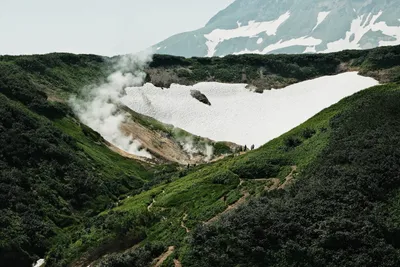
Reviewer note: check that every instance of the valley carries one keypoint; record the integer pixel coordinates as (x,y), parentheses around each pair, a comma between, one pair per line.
(70,199)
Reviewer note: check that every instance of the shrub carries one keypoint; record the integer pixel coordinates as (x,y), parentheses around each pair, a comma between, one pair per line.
(308,133)
(225,177)
(292,142)
(221,148)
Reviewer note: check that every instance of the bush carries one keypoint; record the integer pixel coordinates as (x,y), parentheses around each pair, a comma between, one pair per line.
(221,148)
(308,133)
(225,177)
(292,142)
(255,168)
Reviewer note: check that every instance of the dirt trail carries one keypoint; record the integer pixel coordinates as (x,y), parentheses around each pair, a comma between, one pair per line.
(183,223)
(275,184)
(230,207)
(177,263)
(160,260)
(151,204)
(289,178)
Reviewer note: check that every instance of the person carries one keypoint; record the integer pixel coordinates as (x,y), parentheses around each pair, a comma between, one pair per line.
(245,148)
(252,147)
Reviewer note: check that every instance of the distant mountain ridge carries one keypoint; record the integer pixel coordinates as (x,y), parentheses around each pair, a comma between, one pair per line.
(291,26)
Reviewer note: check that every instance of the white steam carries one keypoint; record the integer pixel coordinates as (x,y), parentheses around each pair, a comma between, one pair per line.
(97,106)
(191,148)
(209,152)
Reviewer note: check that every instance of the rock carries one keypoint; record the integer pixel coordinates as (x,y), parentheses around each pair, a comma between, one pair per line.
(199,96)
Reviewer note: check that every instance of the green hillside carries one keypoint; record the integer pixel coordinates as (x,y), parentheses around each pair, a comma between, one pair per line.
(55,172)
(66,197)
(343,211)
(341,205)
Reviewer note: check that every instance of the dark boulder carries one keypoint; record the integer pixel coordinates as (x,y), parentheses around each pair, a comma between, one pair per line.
(199,96)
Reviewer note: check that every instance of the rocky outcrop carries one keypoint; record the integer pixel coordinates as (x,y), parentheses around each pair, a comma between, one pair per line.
(200,97)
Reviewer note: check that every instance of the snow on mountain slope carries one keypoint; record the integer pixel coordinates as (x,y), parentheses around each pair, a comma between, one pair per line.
(359,28)
(239,115)
(321,17)
(251,30)
(291,26)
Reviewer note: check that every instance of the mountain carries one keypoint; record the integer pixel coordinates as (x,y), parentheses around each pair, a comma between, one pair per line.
(290,26)
(72,197)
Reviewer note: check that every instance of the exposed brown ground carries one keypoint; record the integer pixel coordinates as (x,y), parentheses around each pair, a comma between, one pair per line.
(288,179)
(183,223)
(160,260)
(156,143)
(177,263)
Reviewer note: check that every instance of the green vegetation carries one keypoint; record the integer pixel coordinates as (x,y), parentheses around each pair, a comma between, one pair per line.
(341,212)
(346,185)
(206,191)
(277,71)
(55,172)
(324,194)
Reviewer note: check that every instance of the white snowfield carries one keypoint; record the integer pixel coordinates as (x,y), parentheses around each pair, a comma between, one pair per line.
(308,42)
(251,30)
(359,27)
(236,114)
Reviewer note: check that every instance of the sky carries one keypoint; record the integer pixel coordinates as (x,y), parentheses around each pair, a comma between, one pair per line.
(101,27)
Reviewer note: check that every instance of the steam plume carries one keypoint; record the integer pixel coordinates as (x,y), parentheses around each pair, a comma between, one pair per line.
(97,106)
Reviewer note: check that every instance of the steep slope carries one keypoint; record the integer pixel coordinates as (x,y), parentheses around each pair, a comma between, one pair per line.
(314,198)
(342,211)
(290,26)
(53,174)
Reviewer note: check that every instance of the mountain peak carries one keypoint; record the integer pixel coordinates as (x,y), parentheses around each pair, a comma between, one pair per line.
(291,26)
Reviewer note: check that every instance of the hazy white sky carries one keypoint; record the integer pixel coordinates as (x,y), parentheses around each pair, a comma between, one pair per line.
(97,26)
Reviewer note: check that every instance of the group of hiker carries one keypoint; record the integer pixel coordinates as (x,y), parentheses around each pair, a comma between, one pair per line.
(245,148)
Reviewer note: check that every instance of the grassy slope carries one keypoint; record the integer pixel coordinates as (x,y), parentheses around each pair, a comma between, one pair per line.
(199,193)
(58,171)
(347,126)
(343,209)
(55,178)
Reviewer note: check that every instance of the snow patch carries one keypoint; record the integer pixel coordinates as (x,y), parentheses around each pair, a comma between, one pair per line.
(253,28)
(358,29)
(310,49)
(302,41)
(39,263)
(239,115)
(321,17)
(260,40)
